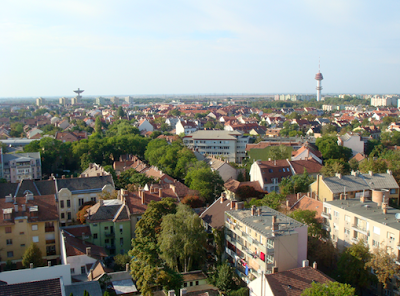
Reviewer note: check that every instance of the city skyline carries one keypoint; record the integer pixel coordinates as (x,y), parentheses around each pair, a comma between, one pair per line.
(188,47)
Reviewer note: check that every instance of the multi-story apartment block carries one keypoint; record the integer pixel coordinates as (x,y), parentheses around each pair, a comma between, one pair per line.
(355,186)
(62,101)
(373,221)
(110,225)
(263,240)
(389,100)
(16,167)
(229,145)
(40,102)
(100,101)
(25,220)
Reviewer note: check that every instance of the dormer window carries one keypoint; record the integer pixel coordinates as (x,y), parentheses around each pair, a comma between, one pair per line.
(34,211)
(7,214)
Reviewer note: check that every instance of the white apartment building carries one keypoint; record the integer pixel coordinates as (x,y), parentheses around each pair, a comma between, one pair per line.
(229,145)
(20,166)
(389,100)
(262,240)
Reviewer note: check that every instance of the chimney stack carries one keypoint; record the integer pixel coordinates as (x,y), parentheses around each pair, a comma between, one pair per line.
(259,212)
(239,205)
(314,265)
(183,292)
(48,263)
(341,196)
(233,204)
(298,195)
(171,293)
(222,199)
(101,201)
(287,204)
(142,197)
(89,251)
(275,269)
(127,267)
(370,173)
(362,199)
(253,210)
(306,263)
(31,265)
(160,195)
(275,225)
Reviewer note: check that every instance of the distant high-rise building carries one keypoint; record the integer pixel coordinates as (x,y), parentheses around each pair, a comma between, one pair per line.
(62,101)
(129,100)
(319,77)
(40,102)
(115,100)
(100,101)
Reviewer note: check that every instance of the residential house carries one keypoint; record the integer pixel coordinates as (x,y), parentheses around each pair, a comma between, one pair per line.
(94,170)
(291,282)
(352,141)
(63,124)
(259,240)
(185,126)
(145,125)
(72,193)
(25,220)
(71,136)
(270,173)
(355,186)
(306,152)
(233,190)
(224,169)
(34,133)
(109,222)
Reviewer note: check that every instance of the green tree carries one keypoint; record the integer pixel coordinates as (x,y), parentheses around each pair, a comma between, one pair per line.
(383,262)
(296,183)
(120,112)
(329,289)
(333,166)
(330,149)
(97,125)
(120,261)
(273,200)
(182,239)
(243,291)
(374,165)
(308,217)
(208,183)
(209,124)
(351,266)
(32,255)
(224,278)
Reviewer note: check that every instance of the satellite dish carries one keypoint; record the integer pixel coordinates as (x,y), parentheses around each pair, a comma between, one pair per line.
(397,216)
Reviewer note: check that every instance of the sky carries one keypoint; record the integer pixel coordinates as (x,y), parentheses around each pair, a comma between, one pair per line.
(129,47)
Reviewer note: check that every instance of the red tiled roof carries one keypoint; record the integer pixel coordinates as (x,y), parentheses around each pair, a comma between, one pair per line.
(311,165)
(308,203)
(233,185)
(50,287)
(76,247)
(293,282)
(214,214)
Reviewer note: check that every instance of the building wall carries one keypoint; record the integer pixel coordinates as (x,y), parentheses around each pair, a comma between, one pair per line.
(146,126)
(75,201)
(255,175)
(105,238)
(226,172)
(23,234)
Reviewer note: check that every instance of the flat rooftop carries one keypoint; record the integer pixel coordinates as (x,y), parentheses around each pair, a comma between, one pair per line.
(263,223)
(369,210)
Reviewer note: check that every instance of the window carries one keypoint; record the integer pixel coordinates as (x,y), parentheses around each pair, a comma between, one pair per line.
(62,216)
(22,233)
(197,283)
(106,228)
(121,228)
(69,215)
(392,191)
(95,235)
(72,270)
(68,203)
(335,226)
(35,239)
(93,199)
(347,218)
(191,284)
(81,201)
(121,241)
(8,229)
(61,204)
(347,231)
(9,241)
(83,269)
(34,227)
(184,285)
(377,230)
(375,243)
(10,254)
(336,213)
(107,241)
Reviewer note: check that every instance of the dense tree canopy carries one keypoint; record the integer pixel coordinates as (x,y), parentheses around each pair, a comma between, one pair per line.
(329,289)
(273,200)
(330,149)
(296,183)
(33,255)
(308,217)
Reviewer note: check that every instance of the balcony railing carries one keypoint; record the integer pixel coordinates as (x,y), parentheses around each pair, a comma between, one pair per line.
(360,228)
(110,234)
(326,215)
(49,229)
(50,253)
(50,241)
(110,247)
(327,227)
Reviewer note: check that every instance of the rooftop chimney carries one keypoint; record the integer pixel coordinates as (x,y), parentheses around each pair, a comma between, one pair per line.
(306,263)
(287,204)
(338,175)
(160,195)
(298,195)
(49,263)
(101,201)
(362,198)
(275,269)
(142,197)
(239,205)
(233,204)
(371,173)
(171,293)
(222,199)
(259,212)
(31,265)
(275,225)
(389,172)
(314,265)
(89,251)
(183,292)
(253,210)
(341,196)
(127,267)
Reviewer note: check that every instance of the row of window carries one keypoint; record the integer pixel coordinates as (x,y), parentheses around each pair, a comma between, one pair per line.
(81,201)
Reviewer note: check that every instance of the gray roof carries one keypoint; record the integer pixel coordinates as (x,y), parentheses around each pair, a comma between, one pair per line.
(92,287)
(21,156)
(108,211)
(46,187)
(214,134)
(77,185)
(369,210)
(360,182)
(263,223)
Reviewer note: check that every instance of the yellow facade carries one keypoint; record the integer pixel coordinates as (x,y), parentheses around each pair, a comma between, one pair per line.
(17,237)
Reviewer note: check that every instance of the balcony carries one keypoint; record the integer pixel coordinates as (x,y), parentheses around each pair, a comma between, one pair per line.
(270,251)
(327,227)
(51,252)
(110,234)
(360,228)
(50,241)
(326,215)
(110,247)
(49,229)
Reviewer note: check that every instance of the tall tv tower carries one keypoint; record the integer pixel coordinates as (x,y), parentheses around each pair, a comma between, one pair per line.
(319,77)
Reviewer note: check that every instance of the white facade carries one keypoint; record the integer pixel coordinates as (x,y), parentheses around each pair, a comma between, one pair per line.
(185,127)
(145,125)
(353,142)
(390,100)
